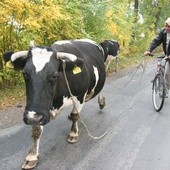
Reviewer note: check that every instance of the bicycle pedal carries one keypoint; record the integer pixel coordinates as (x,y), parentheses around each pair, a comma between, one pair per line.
(166,95)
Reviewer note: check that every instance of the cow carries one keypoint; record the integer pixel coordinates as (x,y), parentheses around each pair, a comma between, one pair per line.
(69,72)
(111,49)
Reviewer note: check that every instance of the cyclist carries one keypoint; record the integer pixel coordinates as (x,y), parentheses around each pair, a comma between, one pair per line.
(163,38)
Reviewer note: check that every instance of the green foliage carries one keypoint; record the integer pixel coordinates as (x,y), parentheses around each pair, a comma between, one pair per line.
(10,78)
(95,19)
(46,21)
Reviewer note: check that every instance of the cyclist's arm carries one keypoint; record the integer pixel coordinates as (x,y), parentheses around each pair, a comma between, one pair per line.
(155,43)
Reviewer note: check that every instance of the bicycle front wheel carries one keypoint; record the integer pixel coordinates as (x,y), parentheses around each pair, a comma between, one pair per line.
(158,92)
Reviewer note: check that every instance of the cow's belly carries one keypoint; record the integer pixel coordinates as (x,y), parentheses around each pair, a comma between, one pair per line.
(66,103)
(96,89)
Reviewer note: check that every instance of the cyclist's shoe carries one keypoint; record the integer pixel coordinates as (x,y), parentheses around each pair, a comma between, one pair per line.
(166,93)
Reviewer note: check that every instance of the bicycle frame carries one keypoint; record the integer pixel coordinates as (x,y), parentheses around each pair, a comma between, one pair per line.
(159,87)
(160,66)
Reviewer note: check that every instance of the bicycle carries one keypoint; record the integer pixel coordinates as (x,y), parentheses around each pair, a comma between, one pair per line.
(159,86)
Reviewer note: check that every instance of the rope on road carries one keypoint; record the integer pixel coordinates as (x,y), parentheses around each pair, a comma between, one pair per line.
(142,64)
(110,125)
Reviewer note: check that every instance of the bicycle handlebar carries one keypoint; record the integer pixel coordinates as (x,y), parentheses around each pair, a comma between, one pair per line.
(160,56)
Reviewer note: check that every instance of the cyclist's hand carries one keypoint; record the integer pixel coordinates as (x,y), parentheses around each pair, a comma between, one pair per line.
(167,58)
(148,53)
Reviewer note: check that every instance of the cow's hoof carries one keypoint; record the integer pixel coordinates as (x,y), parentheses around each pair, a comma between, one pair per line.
(72,139)
(69,117)
(29,164)
(102,103)
(101,106)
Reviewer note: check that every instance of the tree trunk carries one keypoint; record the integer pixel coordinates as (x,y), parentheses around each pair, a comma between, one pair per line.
(135,20)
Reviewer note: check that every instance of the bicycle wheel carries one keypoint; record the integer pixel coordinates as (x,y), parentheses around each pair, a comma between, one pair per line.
(158,92)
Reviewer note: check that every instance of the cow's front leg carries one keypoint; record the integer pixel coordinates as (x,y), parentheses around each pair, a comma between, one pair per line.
(73,136)
(74,116)
(32,158)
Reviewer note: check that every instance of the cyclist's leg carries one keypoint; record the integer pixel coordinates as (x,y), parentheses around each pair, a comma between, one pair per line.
(167,76)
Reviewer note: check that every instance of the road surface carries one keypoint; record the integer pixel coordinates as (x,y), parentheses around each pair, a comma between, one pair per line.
(138,138)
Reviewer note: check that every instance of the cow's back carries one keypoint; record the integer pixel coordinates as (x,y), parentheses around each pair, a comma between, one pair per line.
(93,57)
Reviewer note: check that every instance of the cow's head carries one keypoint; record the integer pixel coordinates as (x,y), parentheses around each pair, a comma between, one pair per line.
(41,67)
(111,48)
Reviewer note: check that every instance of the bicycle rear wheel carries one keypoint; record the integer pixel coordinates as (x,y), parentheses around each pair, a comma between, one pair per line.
(158,92)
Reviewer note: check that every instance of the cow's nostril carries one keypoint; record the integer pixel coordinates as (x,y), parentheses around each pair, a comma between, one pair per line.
(41,121)
(26,121)
(35,119)
(38,118)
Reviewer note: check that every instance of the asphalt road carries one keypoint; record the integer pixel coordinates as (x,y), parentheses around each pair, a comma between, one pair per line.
(138,138)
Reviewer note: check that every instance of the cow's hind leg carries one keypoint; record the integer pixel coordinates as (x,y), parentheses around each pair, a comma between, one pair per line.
(101,100)
(32,158)
(74,116)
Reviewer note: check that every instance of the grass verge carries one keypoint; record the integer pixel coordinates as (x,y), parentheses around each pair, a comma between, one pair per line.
(12,96)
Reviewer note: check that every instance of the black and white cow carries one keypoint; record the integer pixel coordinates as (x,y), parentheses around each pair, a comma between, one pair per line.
(111,50)
(46,88)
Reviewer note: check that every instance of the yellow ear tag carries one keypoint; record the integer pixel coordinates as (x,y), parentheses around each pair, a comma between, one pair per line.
(9,64)
(76,70)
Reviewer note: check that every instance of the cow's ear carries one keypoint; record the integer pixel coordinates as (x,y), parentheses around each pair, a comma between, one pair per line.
(18,59)
(19,63)
(76,66)
(7,56)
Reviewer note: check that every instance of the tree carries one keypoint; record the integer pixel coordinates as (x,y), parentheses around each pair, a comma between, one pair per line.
(131,22)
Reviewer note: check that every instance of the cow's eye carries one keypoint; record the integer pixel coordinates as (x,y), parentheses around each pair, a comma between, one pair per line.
(54,76)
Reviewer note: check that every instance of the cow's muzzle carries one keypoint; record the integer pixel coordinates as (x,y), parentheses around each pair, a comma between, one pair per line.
(33,118)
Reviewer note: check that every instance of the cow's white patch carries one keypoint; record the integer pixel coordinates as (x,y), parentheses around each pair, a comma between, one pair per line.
(90,95)
(31,114)
(110,57)
(33,154)
(96,73)
(112,41)
(40,57)
(67,102)
(82,40)
(38,140)
(87,40)
(92,42)
(62,42)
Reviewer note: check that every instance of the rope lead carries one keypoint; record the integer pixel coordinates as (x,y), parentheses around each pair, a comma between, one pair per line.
(142,64)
